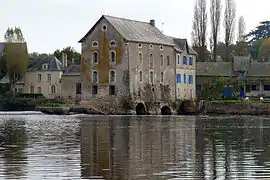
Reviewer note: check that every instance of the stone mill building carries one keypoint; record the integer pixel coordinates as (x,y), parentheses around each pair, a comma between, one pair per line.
(128,64)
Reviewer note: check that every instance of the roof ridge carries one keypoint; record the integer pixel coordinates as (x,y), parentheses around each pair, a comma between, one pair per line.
(121,18)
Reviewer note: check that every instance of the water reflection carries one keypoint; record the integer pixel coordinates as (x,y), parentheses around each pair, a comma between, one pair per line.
(13,142)
(97,147)
(137,148)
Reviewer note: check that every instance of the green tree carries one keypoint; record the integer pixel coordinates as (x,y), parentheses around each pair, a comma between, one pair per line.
(14,35)
(214,87)
(256,36)
(15,55)
(72,54)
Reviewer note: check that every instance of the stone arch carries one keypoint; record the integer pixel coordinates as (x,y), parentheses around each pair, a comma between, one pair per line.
(141,109)
(166,110)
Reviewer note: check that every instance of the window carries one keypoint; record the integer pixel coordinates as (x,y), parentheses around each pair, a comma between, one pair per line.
(168,60)
(104,27)
(113,43)
(32,89)
(95,44)
(178,92)
(53,89)
(112,76)
(178,78)
(255,88)
(161,60)
(190,79)
(178,59)
(39,77)
(185,60)
(185,79)
(248,88)
(151,61)
(140,58)
(150,46)
(190,94)
(20,90)
(112,90)
(161,77)
(95,58)
(140,76)
(266,87)
(39,90)
(198,87)
(113,56)
(161,48)
(49,77)
(139,45)
(242,73)
(94,89)
(151,78)
(95,77)
(190,61)
(44,66)
(78,88)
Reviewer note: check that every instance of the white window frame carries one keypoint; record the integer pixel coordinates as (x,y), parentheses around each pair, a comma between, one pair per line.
(95,46)
(110,57)
(161,47)
(140,61)
(104,25)
(151,46)
(94,56)
(139,45)
(93,76)
(112,42)
(140,76)
(114,76)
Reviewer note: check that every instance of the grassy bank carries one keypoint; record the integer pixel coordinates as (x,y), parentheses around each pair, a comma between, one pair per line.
(238,101)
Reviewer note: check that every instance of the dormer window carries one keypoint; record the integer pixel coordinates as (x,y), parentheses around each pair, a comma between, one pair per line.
(151,46)
(161,48)
(139,45)
(113,43)
(45,66)
(95,44)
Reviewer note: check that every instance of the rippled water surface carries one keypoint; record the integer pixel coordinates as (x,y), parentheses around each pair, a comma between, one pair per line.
(37,146)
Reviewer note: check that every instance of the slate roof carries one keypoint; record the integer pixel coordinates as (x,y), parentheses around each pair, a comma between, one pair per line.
(259,69)
(241,63)
(136,31)
(214,69)
(72,70)
(53,64)
(181,45)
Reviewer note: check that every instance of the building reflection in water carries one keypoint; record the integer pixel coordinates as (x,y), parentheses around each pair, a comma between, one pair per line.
(13,142)
(138,147)
(232,147)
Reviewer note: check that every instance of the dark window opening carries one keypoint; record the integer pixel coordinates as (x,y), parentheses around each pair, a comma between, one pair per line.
(113,56)
(95,57)
(248,87)
(112,90)
(168,60)
(94,89)
(267,87)
(254,88)
(78,88)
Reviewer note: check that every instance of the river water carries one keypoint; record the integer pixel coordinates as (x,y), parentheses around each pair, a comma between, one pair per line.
(37,146)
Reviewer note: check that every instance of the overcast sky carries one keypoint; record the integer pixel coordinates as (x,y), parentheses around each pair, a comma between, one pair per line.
(53,24)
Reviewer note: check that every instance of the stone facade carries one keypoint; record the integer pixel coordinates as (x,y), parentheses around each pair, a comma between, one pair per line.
(241,108)
(131,62)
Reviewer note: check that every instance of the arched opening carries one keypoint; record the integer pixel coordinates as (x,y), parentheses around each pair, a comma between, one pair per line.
(165,110)
(140,109)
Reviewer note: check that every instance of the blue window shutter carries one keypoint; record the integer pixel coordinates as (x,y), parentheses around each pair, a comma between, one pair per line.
(180,78)
(185,81)
(178,59)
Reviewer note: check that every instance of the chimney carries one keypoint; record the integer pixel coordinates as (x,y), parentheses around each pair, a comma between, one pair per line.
(152,22)
(64,60)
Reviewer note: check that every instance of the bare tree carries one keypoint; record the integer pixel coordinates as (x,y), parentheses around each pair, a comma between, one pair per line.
(241,29)
(199,28)
(215,13)
(229,24)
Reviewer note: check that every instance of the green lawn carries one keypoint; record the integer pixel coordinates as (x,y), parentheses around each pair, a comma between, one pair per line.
(237,101)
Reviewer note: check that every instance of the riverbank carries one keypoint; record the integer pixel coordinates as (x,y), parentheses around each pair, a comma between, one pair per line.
(234,108)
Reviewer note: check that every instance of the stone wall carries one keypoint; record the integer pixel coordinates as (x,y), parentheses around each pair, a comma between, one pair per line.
(241,108)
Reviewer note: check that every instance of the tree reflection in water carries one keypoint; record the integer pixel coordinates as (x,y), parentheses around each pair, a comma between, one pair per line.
(13,140)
